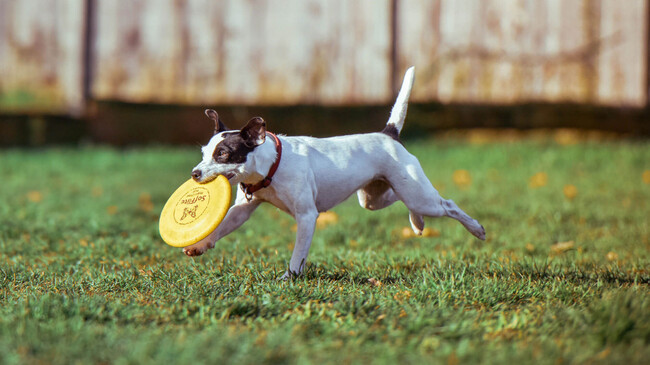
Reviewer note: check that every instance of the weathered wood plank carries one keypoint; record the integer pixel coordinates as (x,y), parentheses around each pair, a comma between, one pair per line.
(509,51)
(622,64)
(244,52)
(41,56)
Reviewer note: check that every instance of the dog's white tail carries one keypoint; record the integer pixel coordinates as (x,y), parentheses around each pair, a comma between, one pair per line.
(398,113)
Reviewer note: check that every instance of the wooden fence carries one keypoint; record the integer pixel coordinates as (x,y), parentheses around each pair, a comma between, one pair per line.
(57,54)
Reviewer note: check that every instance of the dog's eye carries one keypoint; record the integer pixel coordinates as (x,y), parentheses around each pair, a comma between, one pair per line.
(223,154)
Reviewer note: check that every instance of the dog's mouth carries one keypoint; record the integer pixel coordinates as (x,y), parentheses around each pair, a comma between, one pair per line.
(228,175)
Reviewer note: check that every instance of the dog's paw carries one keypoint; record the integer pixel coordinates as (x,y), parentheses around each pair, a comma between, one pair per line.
(288,275)
(197,250)
(479,233)
(193,251)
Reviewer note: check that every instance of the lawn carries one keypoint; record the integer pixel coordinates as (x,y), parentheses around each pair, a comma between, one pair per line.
(564,276)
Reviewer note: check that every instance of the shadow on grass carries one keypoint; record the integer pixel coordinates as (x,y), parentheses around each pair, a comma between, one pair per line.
(529,271)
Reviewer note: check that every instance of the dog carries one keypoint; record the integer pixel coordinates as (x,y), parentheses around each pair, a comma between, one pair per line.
(304,176)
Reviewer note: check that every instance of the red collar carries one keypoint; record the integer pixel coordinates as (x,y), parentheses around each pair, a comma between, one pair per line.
(249,189)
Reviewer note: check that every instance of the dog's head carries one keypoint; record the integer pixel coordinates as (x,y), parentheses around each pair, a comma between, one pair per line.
(228,151)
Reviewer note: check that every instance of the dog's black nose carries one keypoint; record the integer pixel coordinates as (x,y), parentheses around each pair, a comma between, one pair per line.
(196,175)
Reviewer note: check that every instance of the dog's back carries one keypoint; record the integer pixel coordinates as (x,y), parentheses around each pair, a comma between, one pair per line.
(341,165)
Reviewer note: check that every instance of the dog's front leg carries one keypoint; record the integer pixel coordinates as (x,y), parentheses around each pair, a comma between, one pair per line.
(236,216)
(306,222)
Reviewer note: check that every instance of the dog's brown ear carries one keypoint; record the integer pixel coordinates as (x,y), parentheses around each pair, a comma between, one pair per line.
(218,124)
(254,133)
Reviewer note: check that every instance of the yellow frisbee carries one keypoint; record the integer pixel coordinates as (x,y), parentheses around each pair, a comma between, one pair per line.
(193,211)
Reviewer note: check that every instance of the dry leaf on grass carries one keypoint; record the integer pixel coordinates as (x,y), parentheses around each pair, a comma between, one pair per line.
(562,247)
(567,137)
(538,180)
(646,176)
(326,218)
(570,191)
(611,256)
(145,203)
(407,232)
(430,232)
(462,178)
(97,191)
(374,282)
(35,196)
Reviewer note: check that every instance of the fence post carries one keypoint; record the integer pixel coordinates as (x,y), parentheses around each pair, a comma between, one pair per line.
(647,56)
(87,52)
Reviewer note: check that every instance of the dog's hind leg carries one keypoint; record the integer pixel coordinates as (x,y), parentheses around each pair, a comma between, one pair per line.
(439,207)
(417,222)
(472,225)
(422,199)
(379,194)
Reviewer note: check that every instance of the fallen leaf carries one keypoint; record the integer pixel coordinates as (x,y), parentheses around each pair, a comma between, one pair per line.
(453,359)
(604,354)
(646,176)
(145,272)
(147,207)
(111,209)
(326,218)
(462,178)
(530,247)
(145,202)
(430,232)
(538,180)
(35,196)
(570,191)
(611,256)
(626,202)
(562,247)
(144,198)
(566,137)
(374,282)
(407,232)
(97,191)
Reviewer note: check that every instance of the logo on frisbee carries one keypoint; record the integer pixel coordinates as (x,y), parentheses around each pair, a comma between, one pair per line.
(191,206)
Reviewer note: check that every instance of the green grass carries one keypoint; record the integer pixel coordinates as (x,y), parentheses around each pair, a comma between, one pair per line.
(85,278)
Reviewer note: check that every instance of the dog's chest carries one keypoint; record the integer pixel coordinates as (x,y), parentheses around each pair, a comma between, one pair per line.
(270,196)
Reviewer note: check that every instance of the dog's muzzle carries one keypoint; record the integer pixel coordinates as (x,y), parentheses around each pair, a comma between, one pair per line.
(196,175)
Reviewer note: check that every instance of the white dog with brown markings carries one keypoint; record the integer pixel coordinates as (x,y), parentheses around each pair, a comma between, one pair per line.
(305,176)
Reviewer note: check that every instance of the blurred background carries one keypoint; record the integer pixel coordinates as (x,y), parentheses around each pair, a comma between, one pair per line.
(142,71)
